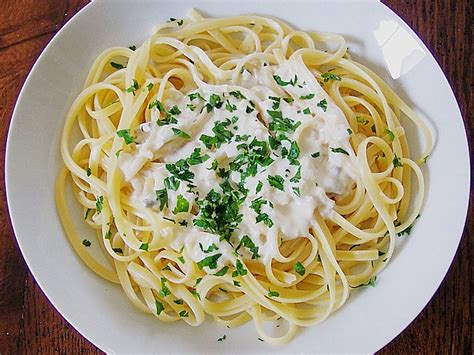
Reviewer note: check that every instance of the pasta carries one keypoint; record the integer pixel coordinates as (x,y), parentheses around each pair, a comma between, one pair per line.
(238,168)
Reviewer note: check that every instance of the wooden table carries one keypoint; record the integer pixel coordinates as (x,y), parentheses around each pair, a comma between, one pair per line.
(28,322)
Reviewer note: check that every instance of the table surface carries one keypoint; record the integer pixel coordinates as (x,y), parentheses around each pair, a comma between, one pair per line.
(29,323)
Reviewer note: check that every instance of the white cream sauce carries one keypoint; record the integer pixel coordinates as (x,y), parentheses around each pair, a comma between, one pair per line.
(318,131)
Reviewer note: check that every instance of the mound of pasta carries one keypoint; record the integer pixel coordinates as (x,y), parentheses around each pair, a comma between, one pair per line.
(239,168)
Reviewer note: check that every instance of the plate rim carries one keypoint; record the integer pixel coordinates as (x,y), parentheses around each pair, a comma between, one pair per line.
(89,7)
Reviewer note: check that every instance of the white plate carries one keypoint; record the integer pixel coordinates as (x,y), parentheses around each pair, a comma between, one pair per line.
(101,312)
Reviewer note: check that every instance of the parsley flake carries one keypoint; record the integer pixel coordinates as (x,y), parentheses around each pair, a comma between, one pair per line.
(133,87)
(299,268)
(180,133)
(323,104)
(272,293)
(182,205)
(209,261)
(330,76)
(125,134)
(276,182)
(339,150)
(116,65)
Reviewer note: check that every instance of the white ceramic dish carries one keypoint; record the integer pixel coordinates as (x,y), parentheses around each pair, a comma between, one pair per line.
(101,312)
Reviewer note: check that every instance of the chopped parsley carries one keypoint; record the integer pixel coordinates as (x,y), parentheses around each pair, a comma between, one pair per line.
(272,293)
(144,246)
(162,197)
(118,250)
(133,47)
(299,268)
(209,249)
(396,162)
(184,313)
(222,271)
(220,213)
(182,205)
(179,301)
(181,259)
(132,88)
(209,261)
(390,134)
(125,134)
(406,231)
(281,82)
(99,204)
(174,110)
(88,172)
(280,123)
(215,101)
(159,307)
(238,95)
(330,76)
(296,179)
(195,95)
(158,105)
(307,97)
(339,150)
(196,158)
(172,183)
(259,187)
(116,65)
(316,154)
(276,181)
(361,120)
(87,213)
(180,133)
(165,291)
(150,86)
(240,270)
(296,191)
(229,106)
(180,170)
(86,243)
(222,338)
(222,135)
(307,111)
(349,131)
(323,104)
(249,244)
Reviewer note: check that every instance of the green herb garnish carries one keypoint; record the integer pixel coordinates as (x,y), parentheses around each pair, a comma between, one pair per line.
(182,205)
(99,204)
(330,76)
(307,97)
(339,150)
(132,88)
(276,182)
(159,307)
(116,65)
(323,104)
(222,271)
(272,293)
(125,134)
(209,261)
(180,133)
(299,268)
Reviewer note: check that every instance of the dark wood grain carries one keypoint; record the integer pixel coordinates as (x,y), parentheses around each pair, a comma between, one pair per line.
(28,322)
